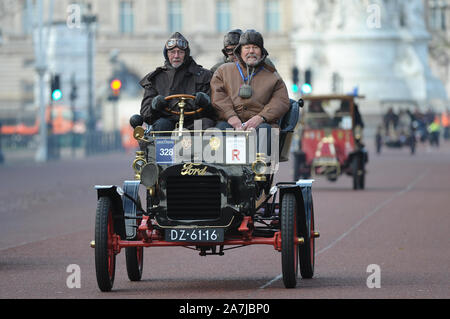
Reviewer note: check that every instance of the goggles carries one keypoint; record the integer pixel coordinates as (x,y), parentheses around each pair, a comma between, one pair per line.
(229,51)
(179,43)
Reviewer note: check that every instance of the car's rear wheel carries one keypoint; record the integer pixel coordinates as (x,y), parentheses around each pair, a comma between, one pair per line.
(289,240)
(135,262)
(105,258)
(307,250)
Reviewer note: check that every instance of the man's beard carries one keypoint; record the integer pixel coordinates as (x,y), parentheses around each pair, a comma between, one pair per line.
(177,64)
(253,62)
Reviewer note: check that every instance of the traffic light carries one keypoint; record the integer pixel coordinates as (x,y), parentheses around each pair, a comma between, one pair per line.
(115,85)
(55,88)
(307,85)
(295,79)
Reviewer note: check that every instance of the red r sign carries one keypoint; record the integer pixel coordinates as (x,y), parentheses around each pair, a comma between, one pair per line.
(235,154)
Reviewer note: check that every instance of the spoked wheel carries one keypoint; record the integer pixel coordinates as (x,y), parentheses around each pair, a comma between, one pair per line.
(358,172)
(105,258)
(307,250)
(289,241)
(135,262)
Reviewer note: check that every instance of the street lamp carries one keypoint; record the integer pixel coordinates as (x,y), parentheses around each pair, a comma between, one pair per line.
(88,20)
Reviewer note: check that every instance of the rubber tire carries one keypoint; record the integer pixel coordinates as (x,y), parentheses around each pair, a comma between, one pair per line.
(105,259)
(307,250)
(412,144)
(134,257)
(358,180)
(289,248)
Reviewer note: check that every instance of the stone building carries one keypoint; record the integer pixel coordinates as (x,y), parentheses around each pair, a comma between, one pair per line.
(130,34)
(341,41)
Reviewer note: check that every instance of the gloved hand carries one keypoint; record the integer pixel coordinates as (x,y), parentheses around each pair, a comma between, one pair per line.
(202,99)
(159,103)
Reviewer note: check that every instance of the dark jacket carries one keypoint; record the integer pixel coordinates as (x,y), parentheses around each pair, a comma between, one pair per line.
(216,66)
(189,78)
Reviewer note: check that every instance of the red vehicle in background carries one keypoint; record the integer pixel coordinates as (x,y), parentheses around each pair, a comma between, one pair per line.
(61,120)
(328,139)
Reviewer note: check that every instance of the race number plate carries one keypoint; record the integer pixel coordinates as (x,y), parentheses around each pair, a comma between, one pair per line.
(165,151)
(195,235)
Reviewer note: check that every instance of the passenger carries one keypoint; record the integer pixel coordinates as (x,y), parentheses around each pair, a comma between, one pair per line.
(316,107)
(317,118)
(179,75)
(230,41)
(421,126)
(390,120)
(404,120)
(249,94)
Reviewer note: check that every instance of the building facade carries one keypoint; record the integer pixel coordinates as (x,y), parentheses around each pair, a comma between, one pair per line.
(130,35)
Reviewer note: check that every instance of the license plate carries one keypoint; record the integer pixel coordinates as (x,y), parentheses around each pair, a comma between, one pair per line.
(195,235)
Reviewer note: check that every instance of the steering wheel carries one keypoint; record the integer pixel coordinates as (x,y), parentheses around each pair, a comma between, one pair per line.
(185,97)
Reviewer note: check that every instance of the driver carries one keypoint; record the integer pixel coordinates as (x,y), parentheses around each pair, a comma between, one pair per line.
(180,74)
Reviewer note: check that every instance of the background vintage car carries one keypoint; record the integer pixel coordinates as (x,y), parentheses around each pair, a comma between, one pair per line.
(329,139)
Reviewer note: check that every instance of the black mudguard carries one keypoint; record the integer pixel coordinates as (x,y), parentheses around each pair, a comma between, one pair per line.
(111,191)
(131,188)
(303,194)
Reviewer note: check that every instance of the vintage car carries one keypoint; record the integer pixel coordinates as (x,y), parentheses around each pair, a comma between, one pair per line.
(328,139)
(396,138)
(399,129)
(218,197)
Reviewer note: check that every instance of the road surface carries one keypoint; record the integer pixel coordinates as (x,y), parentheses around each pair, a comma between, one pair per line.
(390,240)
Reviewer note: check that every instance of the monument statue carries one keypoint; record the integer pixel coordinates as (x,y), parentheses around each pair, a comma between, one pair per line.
(377,46)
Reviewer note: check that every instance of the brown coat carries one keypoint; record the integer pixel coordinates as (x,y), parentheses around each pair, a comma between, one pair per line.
(269,99)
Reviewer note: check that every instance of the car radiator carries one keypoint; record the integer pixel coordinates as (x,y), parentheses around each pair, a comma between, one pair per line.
(193,197)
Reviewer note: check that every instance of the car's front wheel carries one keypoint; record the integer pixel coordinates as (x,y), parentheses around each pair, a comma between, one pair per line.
(105,258)
(307,250)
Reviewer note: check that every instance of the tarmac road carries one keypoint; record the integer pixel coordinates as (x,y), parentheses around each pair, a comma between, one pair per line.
(398,227)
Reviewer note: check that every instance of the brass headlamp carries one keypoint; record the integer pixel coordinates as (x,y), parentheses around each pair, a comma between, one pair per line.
(138,164)
(259,167)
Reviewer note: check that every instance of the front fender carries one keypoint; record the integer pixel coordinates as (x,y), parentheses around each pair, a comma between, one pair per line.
(113,192)
(129,207)
(303,194)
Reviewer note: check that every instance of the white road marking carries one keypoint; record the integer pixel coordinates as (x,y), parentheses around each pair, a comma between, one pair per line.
(357,224)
